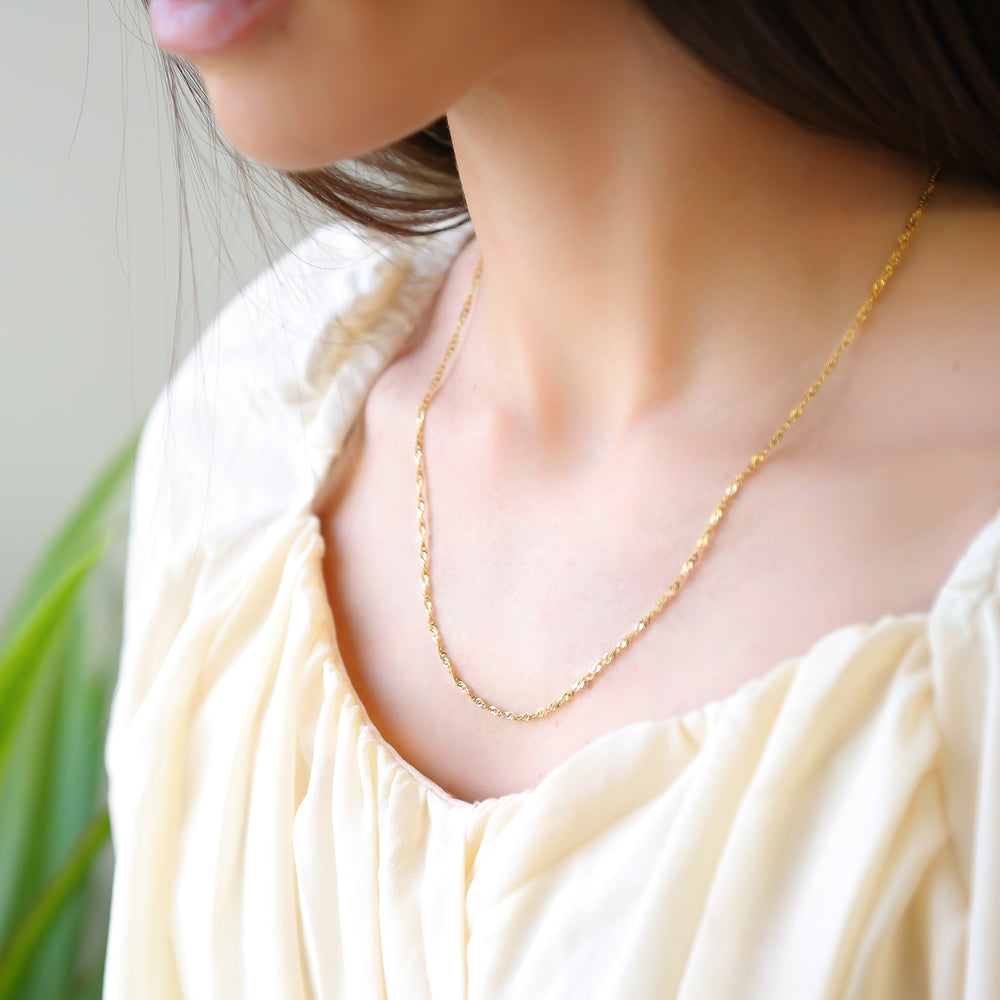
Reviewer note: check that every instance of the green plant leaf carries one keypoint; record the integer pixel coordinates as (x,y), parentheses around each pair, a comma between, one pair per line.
(21,790)
(89,988)
(70,760)
(76,536)
(49,904)
(22,658)
(58,665)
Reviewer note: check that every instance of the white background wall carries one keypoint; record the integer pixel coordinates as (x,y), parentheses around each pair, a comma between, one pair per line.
(90,256)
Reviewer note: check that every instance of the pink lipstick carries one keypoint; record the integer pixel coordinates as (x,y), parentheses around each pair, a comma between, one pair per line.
(194,27)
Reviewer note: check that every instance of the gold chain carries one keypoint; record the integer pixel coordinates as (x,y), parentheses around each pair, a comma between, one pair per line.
(717,515)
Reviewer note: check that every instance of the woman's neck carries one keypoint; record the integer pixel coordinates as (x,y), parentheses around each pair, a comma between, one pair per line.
(650,235)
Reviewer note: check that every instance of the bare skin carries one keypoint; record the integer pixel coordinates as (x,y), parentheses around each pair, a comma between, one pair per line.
(667,266)
(539,569)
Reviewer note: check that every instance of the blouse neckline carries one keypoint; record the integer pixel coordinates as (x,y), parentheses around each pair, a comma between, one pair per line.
(972,576)
(983,550)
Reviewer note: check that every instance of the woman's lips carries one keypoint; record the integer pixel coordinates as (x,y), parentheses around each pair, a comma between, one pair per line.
(193,27)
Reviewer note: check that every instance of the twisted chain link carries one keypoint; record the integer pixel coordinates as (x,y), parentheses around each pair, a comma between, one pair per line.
(713,522)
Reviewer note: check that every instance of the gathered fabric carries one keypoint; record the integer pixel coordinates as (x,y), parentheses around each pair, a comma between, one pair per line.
(831,830)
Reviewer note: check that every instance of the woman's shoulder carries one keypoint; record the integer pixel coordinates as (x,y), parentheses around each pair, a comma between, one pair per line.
(248,423)
(234,445)
(963,640)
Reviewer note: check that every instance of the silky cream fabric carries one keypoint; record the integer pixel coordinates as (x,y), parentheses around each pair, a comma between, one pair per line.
(830,830)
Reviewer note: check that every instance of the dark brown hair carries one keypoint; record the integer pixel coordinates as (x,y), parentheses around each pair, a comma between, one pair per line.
(920,77)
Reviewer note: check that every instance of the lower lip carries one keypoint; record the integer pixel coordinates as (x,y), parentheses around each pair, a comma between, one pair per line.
(194,27)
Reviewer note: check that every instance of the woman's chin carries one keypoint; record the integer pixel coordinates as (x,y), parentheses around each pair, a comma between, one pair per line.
(277,131)
(273,137)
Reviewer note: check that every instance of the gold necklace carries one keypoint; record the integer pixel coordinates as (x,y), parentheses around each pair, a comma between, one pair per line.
(717,515)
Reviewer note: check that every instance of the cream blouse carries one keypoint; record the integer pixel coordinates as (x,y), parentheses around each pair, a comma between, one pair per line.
(830,830)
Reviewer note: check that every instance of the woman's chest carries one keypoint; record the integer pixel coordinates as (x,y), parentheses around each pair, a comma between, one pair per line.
(526,606)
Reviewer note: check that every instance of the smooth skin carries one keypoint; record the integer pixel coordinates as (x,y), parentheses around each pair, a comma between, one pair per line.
(667,265)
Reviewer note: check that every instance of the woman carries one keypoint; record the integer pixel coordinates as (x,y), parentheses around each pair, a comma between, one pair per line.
(784,781)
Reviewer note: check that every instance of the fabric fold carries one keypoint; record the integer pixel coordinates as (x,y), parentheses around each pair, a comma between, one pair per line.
(830,831)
